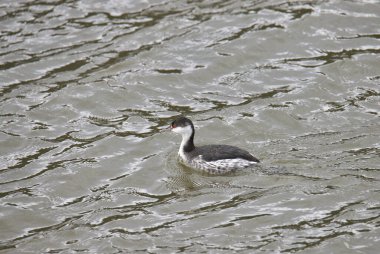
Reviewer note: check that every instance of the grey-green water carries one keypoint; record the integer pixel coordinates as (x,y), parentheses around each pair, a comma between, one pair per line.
(87,86)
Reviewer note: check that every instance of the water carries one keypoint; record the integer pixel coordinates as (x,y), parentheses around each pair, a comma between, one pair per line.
(87,87)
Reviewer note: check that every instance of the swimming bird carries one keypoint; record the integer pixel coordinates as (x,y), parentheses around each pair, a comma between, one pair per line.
(214,159)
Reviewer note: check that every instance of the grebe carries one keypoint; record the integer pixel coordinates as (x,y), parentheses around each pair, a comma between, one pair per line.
(214,159)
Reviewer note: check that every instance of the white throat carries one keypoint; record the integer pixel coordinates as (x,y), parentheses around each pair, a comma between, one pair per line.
(186,134)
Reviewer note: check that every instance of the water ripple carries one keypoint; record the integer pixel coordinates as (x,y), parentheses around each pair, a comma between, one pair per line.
(87,88)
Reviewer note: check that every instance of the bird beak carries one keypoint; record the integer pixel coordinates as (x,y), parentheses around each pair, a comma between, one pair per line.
(169,128)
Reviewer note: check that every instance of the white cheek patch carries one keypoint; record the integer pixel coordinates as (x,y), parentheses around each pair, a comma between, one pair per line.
(177,130)
(182,130)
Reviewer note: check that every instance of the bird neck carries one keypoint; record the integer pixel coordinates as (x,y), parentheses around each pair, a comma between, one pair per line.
(187,144)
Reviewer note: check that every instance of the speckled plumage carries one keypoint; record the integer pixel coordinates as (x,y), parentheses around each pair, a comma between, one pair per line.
(214,159)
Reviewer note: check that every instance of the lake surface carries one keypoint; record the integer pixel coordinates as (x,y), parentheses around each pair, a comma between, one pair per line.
(86,88)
